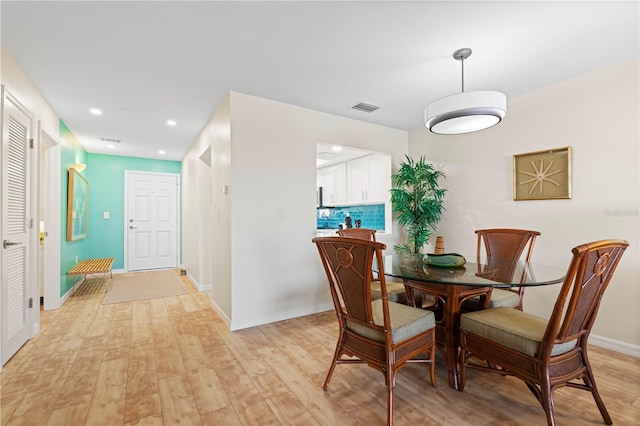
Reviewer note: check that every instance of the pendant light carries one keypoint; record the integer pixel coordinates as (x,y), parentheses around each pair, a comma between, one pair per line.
(465,112)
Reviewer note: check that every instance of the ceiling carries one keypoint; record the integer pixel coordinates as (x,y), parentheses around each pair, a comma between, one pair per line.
(143,63)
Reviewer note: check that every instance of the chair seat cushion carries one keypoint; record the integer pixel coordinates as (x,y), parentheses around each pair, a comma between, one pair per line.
(511,328)
(395,292)
(406,321)
(499,298)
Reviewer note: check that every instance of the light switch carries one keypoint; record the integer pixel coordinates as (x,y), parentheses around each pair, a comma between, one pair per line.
(105,215)
(281,214)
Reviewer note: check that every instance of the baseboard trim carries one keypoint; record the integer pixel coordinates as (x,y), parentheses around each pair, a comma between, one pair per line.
(281,316)
(220,313)
(615,345)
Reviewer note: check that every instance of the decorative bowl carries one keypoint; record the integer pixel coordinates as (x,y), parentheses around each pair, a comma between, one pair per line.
(444,260)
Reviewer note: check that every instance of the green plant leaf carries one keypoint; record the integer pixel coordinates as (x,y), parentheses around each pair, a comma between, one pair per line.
(417,201)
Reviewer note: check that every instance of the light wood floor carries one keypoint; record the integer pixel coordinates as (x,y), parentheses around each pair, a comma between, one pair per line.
(173,361)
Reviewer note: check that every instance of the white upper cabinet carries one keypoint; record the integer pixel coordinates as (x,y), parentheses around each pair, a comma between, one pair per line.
(365,180)
(369,179)
(333,180)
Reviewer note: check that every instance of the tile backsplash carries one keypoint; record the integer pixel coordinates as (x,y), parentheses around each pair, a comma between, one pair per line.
(372,216)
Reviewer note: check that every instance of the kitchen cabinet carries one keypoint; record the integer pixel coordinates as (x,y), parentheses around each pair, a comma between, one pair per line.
(333,180)
(369,179)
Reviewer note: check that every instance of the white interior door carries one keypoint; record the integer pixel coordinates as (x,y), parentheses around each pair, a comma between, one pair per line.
(50,198)
(16,191)
(152,220)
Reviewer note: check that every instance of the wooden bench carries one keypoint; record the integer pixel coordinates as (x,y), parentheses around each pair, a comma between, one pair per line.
(94,267)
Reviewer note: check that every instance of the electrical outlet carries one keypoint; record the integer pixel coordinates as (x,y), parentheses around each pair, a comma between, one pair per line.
(282,215)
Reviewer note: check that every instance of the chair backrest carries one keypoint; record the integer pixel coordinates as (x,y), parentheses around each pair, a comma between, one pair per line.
(587,278)
(506,243)
(362,233)
(348,263)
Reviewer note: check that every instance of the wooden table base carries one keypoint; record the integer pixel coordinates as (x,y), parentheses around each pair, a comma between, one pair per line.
(448,300)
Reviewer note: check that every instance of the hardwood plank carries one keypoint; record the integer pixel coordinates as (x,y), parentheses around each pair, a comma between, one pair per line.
(79,385)
(193,355)
(142,396)
(243,352)
(147,421)
(5,413)
(141,323)
(37,404)
(169,361)
(108,405)
(161,361)
(178,404)
(69,415)
(226,416)
(283,402)
(309,392)
(142,381)
(242,391)
(208,390)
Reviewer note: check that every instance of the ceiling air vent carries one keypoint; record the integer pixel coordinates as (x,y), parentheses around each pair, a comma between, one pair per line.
(365,107)
(110,140)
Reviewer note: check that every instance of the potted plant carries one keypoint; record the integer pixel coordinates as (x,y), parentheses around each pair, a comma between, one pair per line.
(417,200)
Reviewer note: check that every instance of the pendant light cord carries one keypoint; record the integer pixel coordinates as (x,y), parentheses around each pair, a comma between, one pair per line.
(461,55)
(462,60)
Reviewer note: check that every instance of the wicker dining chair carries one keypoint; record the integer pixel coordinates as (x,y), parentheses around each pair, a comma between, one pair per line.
(395,290)
(503,243)
(362,233)
(382,334)
(545,354)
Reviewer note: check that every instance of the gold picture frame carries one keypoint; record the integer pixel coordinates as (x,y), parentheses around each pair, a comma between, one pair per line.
(77,206)
(542,175)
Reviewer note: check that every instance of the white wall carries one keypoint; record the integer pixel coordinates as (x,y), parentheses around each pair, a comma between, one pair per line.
(597,114)
(267,157)
(206,211)
(221,261)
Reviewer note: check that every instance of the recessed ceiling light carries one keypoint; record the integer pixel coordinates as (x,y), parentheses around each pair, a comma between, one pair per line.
(95,111)
(162,151)
(336,148)
(171,123)
(110,146)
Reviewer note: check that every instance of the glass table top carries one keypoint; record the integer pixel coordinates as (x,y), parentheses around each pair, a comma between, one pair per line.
(492,272)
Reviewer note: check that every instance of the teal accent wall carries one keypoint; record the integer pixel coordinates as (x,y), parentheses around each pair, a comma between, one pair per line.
(106,176)
(72,152)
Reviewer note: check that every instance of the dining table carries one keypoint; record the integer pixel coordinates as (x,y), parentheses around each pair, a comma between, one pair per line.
(444,289)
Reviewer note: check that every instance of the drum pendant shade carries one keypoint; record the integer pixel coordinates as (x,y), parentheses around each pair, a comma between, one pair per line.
(465,112)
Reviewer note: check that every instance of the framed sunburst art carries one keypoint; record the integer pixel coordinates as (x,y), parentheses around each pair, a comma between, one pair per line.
(542,175)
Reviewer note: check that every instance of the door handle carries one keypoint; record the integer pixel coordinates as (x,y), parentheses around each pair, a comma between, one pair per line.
(6,244)
(133,227)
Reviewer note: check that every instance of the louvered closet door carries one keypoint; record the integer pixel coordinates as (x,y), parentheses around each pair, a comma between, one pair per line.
(16,132)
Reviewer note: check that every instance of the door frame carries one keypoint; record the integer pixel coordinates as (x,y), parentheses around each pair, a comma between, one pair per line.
(50,195)
(126,213)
